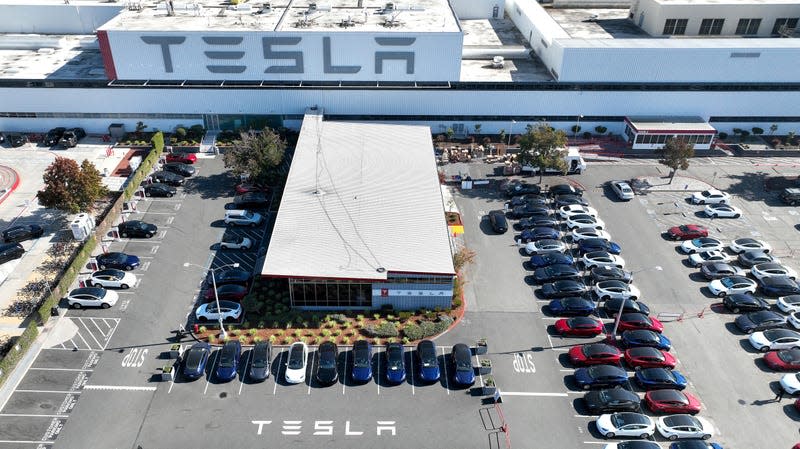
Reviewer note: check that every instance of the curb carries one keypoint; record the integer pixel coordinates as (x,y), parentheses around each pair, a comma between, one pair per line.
(13,187)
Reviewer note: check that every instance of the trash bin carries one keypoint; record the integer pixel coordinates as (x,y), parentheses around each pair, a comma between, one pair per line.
(53,311)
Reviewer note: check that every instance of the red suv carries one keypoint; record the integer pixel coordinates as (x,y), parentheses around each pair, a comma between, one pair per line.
(186,158)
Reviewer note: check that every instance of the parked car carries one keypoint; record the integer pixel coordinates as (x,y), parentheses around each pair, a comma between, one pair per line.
(772,269)
(687,232)
(609,400)
(117,260)
(160,190)
(92,297)
(572,306)
(251,200)
(195,360)
(228,363)
(774,339)
(672,401)
(592,245)
(748,244)
(497,219)
(622,189)
(547,259)
(636,338)
(16,139)
(710,196)
(594,354)
(744,302)
(227,292)
(183,158)
(606,290)
(633,321)
(231,275)
(232,241)
(530,199)
(625,424)
(242,217)
(722,211)
(759,321)
(521,188)
(702,257)
(260,361)
(179,168)
(602,259)
(545,246)
(20,233)
(563,288)
(112,278)
(702,244)
(606,273)
(649,357)
(660,378)
(719,270)
(296,363)
(395,363)
(250,187)
(754,257)
(557,272)
(579,234)
(576,209)
(566,200)
(673,427)
(600,376)
(794,320)
(539,233)
(327,356)
(428,361)
(731,285)
(694,444)
(168,178)
(779,286)
(137,228)
(53,136)
(529,211)
(564,189)
(789,304)
(362,361)
(228,311)
(584,221)
(580,326)
(784,360)
(790,383)
(461,359)
(611,307)
(71,137)
(535,222)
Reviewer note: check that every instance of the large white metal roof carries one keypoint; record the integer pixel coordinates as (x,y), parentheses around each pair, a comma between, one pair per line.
(361,200)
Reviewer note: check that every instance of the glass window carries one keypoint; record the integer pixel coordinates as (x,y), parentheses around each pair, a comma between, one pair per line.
(711,26)
(639,139)
(784,26)
(748,27)
(675,26)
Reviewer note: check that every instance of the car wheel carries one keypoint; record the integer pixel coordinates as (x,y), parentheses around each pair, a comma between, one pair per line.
(149,234)
(102,267)
(672,437)
(701,202)
(750,331)
(128,268)
(75,305)
(124,286)
(605,298)
(644,435)
(169,195)
(203,319)
(706,436)
(105,305)
(737,215)
(735,310)
(124,234)
(721,295)
(610,435)
(764,349)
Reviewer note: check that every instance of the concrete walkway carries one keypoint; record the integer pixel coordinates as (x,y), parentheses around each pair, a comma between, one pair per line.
(644,184)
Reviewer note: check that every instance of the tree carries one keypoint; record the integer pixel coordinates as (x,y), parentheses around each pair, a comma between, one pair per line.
(450,133)
(502,136)
(772,128)
(542,146)
(675,155)
(477,128)
(70,187)
(600,129)
(757,131)
(259,154)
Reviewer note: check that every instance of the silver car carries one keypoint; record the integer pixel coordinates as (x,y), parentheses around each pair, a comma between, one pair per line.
(622,189)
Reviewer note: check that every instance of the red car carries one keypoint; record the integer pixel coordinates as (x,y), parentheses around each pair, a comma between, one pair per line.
(580,326)
(186,158)
(594,354)
(671,401)
(632,321)
(785,360)
(229,292)
(250,187)
(687,232)
(647,357)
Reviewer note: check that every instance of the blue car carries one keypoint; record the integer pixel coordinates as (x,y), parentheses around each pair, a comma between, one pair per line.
(572,306)
(461,358)
(556,272)
(544,260)
(428,361)
(694,444)
(395,363)
(229,360)
(591,245)
(779,286)
(600,376)
(362,361)
(562,289)
(539,233)
(641,337)
(195,360)
(120,261)
(660,378)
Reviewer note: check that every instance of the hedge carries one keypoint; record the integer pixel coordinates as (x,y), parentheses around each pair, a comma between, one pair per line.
(145,166)
(383,330)
(14,355)
(69,276)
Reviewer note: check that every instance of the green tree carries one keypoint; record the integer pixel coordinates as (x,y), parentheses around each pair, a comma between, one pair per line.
(502,136)
(542,147)
(757,131)
(600,129)
(772,128)
(258,154)
(70,187)
(450,133)
(675,155)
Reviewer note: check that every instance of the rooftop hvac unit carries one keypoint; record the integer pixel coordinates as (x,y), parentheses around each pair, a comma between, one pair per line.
(388,7)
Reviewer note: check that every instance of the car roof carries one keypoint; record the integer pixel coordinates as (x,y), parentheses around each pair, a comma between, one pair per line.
(605,370)
(778,280)
(680,420)
(643,351)
(667,394)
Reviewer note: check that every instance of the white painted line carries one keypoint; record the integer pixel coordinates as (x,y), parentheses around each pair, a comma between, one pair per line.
(62,345)
(412,375)
(344,380)
(108,338)
(27,442)
(99,345)
(244,373)
(308,375)
(549,340)
(170,219)
(528,393)
(83,339)
(61,369)
(551,318)
(479,371)
(20,415)
(118,388)
(564,370)
(446,377)
(49,391)
(102,332)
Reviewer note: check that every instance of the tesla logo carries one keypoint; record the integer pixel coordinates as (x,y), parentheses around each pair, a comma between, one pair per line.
(326,428)
(384,292)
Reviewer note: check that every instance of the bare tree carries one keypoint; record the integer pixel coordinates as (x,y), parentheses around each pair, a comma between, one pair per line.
(675,155)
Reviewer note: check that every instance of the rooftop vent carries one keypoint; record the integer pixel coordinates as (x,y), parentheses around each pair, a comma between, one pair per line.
(348,22)
(389,7)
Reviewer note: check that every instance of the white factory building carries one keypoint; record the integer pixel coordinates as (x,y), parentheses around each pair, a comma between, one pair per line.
(443,64)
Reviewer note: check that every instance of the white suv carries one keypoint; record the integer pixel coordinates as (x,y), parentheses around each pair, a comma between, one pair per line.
(243,217)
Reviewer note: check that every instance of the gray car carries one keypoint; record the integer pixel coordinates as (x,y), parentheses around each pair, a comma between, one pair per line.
(755,257)
(261,357)
(719,270)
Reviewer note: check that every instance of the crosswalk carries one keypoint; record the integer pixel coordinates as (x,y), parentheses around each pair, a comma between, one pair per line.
(90,334)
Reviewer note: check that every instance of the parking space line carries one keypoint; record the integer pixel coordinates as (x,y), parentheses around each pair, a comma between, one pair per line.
(446,377)
(111,333)
(61,369)
(49,391)
(27,415)
(531,393)
(62,345)
(344,381)
(309,367)
(102,332)
(27,442)
(90,333)
(84,341)
(244,373)
(412,375)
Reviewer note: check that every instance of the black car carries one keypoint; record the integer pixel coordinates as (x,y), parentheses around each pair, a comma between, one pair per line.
(71,137)
(611,274)
(593,244)
(565,189)
(327,354)
(120,261)
(21,233)
(611,307)
(179,168)
(572,306)
(759,321)
(261,357)
(195,360)
(536,222)
(168,178)
(10,251)
(718,270)
(779,286)
(562,289)
(159,189)
(532,200)
(556,273)
(497,218)
(226,276)
(753,257)
(528,211)
(744,302)
(53,136)
(137,228)
(521,188)
(16,139)
(539,233)
(566,200)
(611,400)
(251,200)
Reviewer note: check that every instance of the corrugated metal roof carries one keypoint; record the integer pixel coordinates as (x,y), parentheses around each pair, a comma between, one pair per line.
(670,123)
(360,197)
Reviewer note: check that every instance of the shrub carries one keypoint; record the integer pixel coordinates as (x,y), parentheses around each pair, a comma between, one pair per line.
(406,340)
(456,303)
(587,135)
(326,332)
(384,329)
(236,332)
(243,339)
(723,135)
(258,339)
(339,318)
(288,340)
(345,340)
(600,129)
(428,328)
(376,342)
(272,339)
(405,315)
(336,332)
(318,341)
(212,339)
(203,329)
(463,257)
(413,332)
(298,332)
(181,133)
(253,332)
(360,317)
(393,340)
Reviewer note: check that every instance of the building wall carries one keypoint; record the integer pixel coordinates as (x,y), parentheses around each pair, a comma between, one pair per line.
(540,30)
(478,9)
(54,18)
(412,296)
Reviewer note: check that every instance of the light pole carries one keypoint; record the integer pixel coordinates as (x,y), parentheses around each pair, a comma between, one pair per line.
(510,132)
(613,336)
(222,332)
(577,126)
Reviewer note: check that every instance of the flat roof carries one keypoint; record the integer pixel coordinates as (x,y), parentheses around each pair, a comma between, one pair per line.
(726,2)
(291,15)
(587,23)
(669,124)
(361,200)
(33,56)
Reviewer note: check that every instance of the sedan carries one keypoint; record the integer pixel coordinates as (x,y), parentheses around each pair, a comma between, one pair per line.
(545,246)
(229,360)
(701,257)
(748,244)
(20,233)
(576,209)
(789,304)
(195,360)
(572,306)
(791,383)
(719,270)
(794,320)
(625,424)
(648,357)
(622,189)
(160,190)
(564,288)
(610,400)
(660,378)
(785,360)
(251,200)
(589,233)
(532,199)
(731,285)
(296,364)
(184,158)
(579,327)
(539,233)
(556,273)
(633,444)
(606,290)
(497,219)
(602,259)
(710,196)
(229,292)
(759,321)
(230,241)
(547,259)
(771,269)
(428,361)
(227,311)
(112,278)
(168,178)
(534,222)
(744,302)
(687,232)
(326,371)
(702,244)
(779,286)
(461,359)
(261,356)
(515,188)
(673,427)
(722,211)
(599,376)
(137,228)
(180,168)
(636,338)
(528,211)
(633,321)
(564,189)
(226,276)
(672,401)
(773,339)
(53,136)
(594,354)
(591,245)
(362,361)
(120,261)
(611,273)
(395,363)
(584,221)
(92,297)
(567,200)
(755,257)
(612,306)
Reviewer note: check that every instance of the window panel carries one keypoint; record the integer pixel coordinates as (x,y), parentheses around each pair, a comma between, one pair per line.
(748,27)
(711,26)
(784,25)
(675,26)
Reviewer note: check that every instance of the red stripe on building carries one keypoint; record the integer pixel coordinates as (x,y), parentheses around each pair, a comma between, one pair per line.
(105,51)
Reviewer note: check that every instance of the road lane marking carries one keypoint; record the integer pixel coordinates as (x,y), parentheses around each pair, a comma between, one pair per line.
(90,333)
(60,369)
(49,391)
(27,442)
(446,377)
(84,341)
(102,332)
(118,388)
(537,394)
(28,415)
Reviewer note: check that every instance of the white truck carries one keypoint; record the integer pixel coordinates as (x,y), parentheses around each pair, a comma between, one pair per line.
(572,156)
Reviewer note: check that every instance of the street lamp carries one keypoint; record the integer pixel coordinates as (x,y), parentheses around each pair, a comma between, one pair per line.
(613,336)
(222,332)
(577,126)
(510,132)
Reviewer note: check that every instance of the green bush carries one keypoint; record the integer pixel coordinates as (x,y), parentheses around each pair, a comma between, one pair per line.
(428,328)
(13,357)
(413,332)
(383,330)
(339,318)
(405,315)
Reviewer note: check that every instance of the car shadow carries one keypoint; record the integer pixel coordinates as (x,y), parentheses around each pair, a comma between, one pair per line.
(686,263)
(571,383)
(445,376)
(563,359)
(522,251)
(733,329)
(707,293)
(791,411)
(698,277)
(744,343)
(762,365)
(530,280)
(526,265)
(278,368)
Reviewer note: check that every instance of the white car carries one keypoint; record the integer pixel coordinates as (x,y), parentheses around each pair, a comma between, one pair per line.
(789,304)
(602,259)
(579,234)
(710,196)
(296,363)
(622,189)
(112,278)
(625,424)
(702,244)
(640,444)
(774,339)
(228,311)
(92,297)
(732,284)
(748,244)
(794,320)
(791,383)
(242,217)
(673,427)
(584,221)
(235,242)
(576,209)
(616,289)
(722,211)
(545,246)
(702,257)
(770,269)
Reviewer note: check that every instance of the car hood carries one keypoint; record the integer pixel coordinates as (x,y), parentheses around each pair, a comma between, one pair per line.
(295,375)
(396,375)
(429,372)
(226,372)
(362,373)
(259,373)
(465,377)
(327,375)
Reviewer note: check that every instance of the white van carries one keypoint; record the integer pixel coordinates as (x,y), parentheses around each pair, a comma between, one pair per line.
(242,217)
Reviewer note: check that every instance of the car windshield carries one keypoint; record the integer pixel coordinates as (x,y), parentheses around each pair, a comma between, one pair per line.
(193,358)
(260,356)
(361,357)
(296,357)
(623,419)
(327,359)
(705,193)
(395,357)
(228,357)
(789,356)
(680,420)
(427,354)
(117,257)
(728,282)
